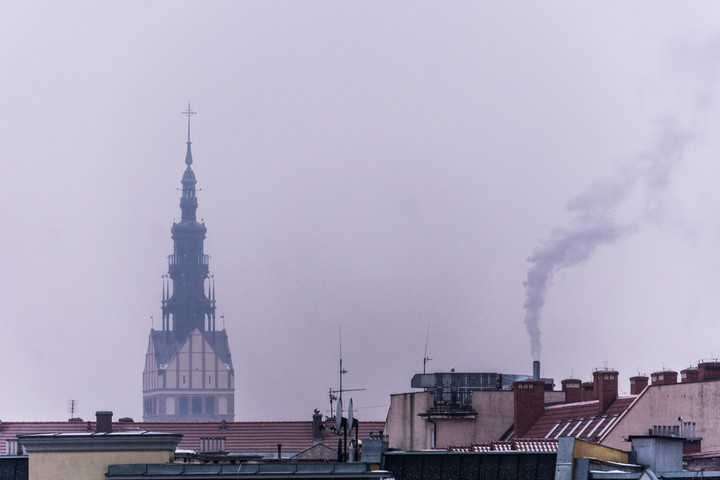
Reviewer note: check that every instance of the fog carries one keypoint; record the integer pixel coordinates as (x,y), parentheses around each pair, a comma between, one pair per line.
(375,168)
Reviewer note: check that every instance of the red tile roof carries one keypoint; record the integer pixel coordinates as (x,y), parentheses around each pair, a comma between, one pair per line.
(536,445)
(240,437)
(516,445)
(580,419)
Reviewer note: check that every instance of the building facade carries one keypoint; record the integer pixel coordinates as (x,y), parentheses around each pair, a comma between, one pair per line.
(456,408)
(188,374)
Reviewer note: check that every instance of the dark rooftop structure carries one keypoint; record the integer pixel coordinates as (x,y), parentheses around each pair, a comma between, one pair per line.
(270,471)
(247,438)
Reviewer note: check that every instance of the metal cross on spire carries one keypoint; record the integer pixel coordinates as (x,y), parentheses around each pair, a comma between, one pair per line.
(188,113)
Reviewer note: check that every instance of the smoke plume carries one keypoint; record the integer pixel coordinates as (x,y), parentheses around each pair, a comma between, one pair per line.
(596,221)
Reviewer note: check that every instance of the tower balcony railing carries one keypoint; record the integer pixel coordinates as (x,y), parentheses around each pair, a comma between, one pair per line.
(198,259)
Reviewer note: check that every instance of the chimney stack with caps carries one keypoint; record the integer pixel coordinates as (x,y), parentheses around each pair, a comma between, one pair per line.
(638,384)
(665,377)
(103,422)
(588,391)
(529,396)
(709,371)
(606,387)
(689,375)
(572,389)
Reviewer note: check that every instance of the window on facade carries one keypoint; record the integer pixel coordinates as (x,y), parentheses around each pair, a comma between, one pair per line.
(197,405)
(183,405)
(210,405)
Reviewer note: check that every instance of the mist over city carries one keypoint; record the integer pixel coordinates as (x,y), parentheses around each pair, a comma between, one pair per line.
(479,183)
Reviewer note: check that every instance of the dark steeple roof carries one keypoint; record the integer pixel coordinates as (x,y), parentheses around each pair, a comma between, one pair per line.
(188,306)
(188,201)
(166,346)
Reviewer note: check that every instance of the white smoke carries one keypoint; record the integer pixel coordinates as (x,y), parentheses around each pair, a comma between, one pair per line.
(596,221)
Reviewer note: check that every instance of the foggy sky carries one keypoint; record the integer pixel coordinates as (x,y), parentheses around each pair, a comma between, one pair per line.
(379,167)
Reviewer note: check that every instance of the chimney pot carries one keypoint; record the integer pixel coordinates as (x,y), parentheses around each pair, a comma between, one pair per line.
(317,427)
(529,404)
(573,390)
(689,375)
(665,377)
(103,422)
(709,371)
(638,384)
(588,391)
(606,387)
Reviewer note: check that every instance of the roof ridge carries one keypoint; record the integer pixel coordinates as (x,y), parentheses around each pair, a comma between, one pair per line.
(561,405)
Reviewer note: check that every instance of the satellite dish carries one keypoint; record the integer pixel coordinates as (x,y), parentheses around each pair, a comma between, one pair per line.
(338,415)
(350,414)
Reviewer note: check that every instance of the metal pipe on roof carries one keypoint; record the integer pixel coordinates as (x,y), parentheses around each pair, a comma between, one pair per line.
(536,370)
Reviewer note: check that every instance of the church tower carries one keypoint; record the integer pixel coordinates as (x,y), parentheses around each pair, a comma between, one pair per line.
(188,375)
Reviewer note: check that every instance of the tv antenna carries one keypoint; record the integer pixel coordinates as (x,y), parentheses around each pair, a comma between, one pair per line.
(331,392)
(425,357)
(72,408)
(333,397)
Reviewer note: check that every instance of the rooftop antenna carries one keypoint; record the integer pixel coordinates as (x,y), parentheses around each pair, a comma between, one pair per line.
(331,392)
(342,371)
(72,407)
(333,397)
(223,319)
(425,357)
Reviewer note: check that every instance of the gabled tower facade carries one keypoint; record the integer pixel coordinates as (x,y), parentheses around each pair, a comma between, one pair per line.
(188,375)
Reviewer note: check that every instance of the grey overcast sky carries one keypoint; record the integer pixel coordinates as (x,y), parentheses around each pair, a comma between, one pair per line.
(381,167)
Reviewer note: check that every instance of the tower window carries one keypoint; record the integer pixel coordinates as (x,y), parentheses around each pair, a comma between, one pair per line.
(196,405)
(210,405)
(183,405)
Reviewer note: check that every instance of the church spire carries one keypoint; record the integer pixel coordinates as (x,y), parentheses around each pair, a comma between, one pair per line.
(172,391)
(188,156)
(188,304)
(188,201)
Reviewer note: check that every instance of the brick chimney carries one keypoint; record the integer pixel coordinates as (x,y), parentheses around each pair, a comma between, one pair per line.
(689,375)
(103,422)
(606,386)
(638,384)
(529,396)
(317,427)
(665,377)
(709,371)
(572,389)
(588,391)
